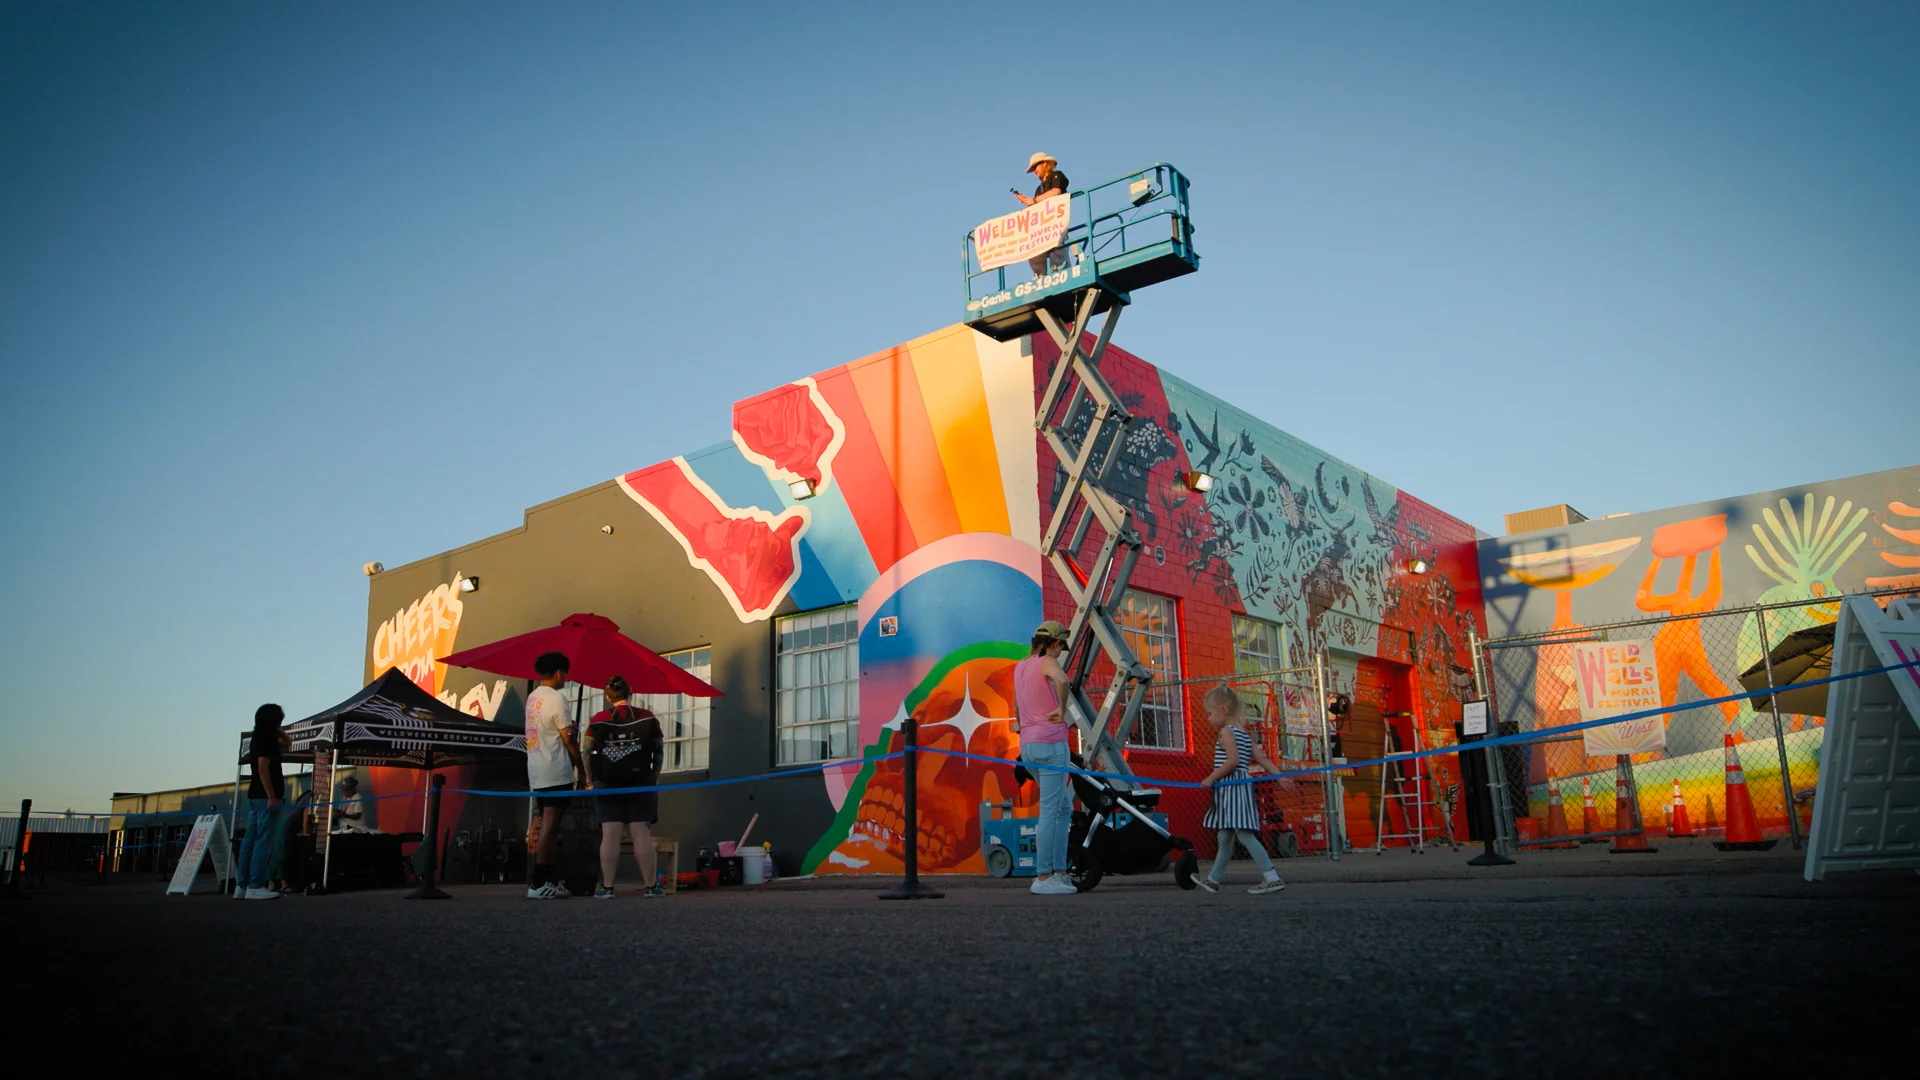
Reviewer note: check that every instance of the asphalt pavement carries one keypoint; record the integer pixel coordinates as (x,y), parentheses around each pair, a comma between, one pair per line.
(1406,965)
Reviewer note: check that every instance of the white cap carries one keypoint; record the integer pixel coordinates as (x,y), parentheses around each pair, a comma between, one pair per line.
(1034,161)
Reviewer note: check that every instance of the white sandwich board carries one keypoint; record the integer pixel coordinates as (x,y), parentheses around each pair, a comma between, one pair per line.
(209,837)
(1866,804)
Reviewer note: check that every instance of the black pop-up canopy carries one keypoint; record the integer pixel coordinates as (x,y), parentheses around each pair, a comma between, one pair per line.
(392,723)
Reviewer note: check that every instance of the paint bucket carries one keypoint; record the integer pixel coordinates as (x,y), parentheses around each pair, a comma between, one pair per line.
(753,868)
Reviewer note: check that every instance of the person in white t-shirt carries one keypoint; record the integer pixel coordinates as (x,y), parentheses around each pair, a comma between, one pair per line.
(553,764)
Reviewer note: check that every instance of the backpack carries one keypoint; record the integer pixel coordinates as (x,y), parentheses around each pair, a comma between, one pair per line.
(626,748)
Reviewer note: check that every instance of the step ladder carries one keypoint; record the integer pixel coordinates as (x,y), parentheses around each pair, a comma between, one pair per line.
(1406,781)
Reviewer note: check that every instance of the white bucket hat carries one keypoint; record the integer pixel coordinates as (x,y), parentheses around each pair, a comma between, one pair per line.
(1034,161)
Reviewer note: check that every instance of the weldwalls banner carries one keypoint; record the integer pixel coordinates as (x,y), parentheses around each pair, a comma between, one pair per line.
(1619,677)
(1035,230)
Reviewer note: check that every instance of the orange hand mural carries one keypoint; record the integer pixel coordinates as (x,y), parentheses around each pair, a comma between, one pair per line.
(1677,645)
(750,554)
(1911,514)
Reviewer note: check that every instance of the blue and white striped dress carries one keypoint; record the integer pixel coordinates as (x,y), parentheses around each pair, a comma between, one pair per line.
(1234,807)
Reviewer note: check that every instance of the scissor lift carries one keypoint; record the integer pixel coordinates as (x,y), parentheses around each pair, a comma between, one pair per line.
(1123,235)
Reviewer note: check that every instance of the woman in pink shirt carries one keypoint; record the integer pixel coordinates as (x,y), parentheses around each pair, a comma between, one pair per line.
(1039,687)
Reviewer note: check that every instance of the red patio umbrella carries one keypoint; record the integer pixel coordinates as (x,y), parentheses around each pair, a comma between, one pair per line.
(597,651)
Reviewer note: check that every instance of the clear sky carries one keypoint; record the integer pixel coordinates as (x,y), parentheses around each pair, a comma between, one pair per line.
(286,287)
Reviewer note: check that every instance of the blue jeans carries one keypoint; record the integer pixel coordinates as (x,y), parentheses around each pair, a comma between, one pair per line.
(1056,805)
(256,849)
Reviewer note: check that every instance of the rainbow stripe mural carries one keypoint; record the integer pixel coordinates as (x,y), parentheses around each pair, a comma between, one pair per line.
(925,509)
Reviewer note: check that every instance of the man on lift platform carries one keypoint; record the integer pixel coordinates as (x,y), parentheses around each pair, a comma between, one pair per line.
(1052,182)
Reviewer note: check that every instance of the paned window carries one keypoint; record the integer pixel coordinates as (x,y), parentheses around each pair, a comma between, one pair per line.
(1261,646)
(1147,623)
(817,685)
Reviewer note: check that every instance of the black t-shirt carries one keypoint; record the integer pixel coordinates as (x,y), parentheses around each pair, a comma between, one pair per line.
(1056,181)
(625,747)
(266,744)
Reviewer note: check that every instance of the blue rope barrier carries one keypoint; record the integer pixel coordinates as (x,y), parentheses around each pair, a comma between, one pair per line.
(577,793)
(1503,740)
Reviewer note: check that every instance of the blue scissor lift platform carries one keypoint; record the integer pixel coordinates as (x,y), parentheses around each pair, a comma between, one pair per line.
(1122,235)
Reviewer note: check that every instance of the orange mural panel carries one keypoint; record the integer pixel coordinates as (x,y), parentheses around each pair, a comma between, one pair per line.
(890,392)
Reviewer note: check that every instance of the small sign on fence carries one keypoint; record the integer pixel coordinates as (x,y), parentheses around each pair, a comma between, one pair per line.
(1618,677)
(209,837)
(1473,718)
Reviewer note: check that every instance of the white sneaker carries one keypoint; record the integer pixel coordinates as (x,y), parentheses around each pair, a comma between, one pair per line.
(262,894)
(549,891)
(560,892)
(1266,887)
(1207,883)
(1056,885)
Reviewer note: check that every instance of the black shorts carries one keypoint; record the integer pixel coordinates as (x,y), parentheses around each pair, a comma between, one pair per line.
(642,809)
(555,804)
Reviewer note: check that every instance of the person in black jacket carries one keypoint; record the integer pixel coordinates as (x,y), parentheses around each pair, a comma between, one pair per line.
(624,750)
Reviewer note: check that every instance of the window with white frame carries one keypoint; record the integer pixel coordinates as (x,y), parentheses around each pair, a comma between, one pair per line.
(685,721)
(817,685)
(1260,646)
(1147,622)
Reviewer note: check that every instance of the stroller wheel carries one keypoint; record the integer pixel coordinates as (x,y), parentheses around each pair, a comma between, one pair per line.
(1185,870)
(1085,870)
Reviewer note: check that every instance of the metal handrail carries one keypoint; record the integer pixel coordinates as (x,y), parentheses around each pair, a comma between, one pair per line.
(1166,183)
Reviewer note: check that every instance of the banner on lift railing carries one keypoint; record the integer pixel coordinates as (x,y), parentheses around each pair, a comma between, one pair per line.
(1033,230)
(1617,677)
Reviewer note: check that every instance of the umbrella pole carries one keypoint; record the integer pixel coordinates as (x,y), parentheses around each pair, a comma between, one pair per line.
(1779,733)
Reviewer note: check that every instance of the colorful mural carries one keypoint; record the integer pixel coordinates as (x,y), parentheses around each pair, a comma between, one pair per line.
(912,484)
(1708,564)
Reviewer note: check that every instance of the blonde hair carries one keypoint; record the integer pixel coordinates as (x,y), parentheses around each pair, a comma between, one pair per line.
(1224,698)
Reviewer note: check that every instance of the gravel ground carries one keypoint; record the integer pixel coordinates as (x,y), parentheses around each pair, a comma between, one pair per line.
(1395,966)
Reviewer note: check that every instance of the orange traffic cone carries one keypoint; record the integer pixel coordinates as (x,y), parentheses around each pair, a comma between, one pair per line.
(1624,819)
(1743,829)
(1556,817)
(1677,824)
(1712,823)
(1589,817)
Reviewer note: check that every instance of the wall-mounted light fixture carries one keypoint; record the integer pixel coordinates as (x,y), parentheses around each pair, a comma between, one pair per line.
(608,529)
(371,569)
(802,488)
(469,584)
(1198,481)
(1419,566)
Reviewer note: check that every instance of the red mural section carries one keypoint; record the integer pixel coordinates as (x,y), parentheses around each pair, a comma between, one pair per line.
(752,551)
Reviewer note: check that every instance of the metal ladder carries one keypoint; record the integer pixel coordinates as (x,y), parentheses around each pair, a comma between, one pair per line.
(1414,794)
(1077,384)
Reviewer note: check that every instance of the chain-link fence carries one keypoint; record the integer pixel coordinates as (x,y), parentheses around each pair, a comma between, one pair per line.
(1680,770)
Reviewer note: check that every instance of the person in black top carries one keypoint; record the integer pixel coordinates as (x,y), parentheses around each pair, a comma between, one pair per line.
(625,749)
(1052,182)
(265,749)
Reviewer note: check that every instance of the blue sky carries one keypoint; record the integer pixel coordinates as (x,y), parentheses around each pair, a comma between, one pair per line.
(292,287)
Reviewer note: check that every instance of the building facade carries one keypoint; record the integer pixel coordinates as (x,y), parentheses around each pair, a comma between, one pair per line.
(864,546)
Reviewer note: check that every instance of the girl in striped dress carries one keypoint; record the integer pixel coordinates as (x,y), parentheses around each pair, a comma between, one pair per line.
(1235,814)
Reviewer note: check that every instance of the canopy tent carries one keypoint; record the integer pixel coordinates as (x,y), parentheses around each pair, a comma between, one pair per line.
(1801,657)
(391,723)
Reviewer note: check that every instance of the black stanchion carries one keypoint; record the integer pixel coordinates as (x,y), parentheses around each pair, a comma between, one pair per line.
(910,887)
(430,837)
(18,867)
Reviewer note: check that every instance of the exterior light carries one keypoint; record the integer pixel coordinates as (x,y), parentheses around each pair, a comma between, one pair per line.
(801,488)
(371,569)
(469,584)
(1198,481)
(1419,566)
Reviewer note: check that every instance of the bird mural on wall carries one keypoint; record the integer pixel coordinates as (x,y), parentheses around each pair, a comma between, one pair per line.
(1383,524)
(1291,507)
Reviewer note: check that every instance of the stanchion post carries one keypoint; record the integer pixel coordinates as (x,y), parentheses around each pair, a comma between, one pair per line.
(1779,730)
(17,863)
(910,887)
(431,839)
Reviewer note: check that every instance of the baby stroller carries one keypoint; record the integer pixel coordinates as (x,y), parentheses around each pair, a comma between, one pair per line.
(1116,830)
